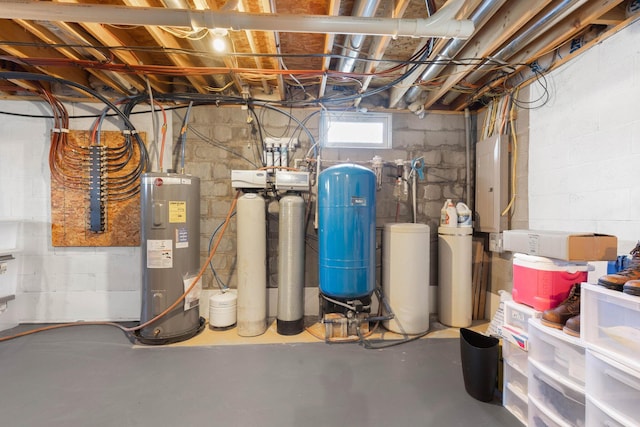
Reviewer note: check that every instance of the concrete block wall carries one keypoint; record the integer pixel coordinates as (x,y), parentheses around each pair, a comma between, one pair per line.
(585,143)
(218,135)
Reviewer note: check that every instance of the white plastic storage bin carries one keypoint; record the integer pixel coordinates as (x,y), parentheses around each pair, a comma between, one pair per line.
(8,313)
(540,416)
(613,385)
(518,315)
(561,353)
(515,356)
(565,400)
(514,378)
(610,323)
(516,402)
(600,415)
(9,266)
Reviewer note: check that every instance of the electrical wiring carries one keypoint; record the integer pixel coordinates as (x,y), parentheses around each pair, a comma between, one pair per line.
(514,156)
(219,281)
(182,138)
(130,332)
(219,145)
(186,32)
(544,97)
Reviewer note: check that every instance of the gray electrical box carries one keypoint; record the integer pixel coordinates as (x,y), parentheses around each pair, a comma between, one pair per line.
(492,173)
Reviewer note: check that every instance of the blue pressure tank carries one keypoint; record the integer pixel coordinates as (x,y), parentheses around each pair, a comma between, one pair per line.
(347,231)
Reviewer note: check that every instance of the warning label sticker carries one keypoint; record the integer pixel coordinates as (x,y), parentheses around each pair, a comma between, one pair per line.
(159,254)
(177,212)
(182,237)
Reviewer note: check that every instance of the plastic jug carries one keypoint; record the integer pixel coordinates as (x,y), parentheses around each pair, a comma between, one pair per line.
(464,215)
(448,215)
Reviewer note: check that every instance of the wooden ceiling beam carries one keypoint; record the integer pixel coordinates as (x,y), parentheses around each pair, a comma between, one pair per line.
(121,83)
(9,30)
(509,19)
(166,40)
(569,27)
(270,43)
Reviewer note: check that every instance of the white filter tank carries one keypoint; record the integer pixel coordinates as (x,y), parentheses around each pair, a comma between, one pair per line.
(405,279)
(454,276)
(290,319)
(252,265)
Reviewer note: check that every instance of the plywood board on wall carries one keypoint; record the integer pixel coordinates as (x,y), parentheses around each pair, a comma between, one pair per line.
(70,207)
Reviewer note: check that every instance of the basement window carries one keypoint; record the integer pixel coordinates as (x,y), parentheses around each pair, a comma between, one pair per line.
(351,129)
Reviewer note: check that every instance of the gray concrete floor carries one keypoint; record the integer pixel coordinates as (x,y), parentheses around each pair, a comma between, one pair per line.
(93,376)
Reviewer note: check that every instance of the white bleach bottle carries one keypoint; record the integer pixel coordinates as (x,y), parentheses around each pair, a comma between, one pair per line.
(448,215)
(464,215)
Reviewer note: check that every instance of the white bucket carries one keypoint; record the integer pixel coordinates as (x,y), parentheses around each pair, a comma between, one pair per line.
(222,309)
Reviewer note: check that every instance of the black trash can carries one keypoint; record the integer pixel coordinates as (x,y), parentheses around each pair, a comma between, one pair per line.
(479,355)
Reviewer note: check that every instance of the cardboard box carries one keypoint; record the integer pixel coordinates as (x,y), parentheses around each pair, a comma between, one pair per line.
(568,246)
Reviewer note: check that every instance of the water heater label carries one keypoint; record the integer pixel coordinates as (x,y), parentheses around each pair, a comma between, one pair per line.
(193,297)
(166,180)
(358,201)
(159,254)
(182,238)
(177,212)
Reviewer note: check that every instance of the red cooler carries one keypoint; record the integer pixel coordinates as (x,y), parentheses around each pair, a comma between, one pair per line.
(543,283)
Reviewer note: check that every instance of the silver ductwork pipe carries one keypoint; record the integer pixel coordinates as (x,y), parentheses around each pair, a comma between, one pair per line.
(482,13)
(353,43)
(442,24)
(549,18)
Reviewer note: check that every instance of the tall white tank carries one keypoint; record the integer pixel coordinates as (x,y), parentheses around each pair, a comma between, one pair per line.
(252,265)
(290,319)
(405,277)
(454,276)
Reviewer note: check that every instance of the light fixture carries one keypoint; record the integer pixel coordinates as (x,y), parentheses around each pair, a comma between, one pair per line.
(219,42)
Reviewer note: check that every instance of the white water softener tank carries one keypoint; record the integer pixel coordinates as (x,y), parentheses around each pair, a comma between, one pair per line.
(405,277)
(454,276)
(252,265)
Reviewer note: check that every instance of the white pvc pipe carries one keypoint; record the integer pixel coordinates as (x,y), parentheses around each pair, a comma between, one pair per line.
(441,24)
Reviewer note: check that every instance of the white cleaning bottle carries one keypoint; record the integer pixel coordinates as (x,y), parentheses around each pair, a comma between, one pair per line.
(464,215)
(448,215)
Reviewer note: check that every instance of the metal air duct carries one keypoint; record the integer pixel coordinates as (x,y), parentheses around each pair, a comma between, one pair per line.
(353,43)
(482,13)
(547,20)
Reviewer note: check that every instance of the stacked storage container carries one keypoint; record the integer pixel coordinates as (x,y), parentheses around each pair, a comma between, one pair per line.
(556,377)
(611,331)
(539,283)
(514,348)
(8,274)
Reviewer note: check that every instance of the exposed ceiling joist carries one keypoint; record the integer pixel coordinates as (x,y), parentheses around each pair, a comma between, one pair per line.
(289,52)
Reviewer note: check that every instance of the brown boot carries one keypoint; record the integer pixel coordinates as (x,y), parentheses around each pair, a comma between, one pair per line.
(617,280)
(558,316)
(632,287)
(572,327)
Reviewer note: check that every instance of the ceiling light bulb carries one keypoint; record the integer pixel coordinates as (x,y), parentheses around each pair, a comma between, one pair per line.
(219,43)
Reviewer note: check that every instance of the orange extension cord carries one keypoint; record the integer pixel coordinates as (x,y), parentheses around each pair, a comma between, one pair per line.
(130,331)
